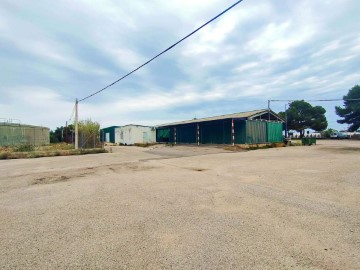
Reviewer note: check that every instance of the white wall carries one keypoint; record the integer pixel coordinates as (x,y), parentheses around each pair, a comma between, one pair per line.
(132,134)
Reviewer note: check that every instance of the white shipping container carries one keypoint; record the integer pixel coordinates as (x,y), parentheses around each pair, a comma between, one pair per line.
(131,134)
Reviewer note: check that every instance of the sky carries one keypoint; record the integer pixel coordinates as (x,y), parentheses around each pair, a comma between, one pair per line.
(52,52)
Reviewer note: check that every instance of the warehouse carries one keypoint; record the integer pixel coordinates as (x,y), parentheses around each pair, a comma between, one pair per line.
(259,126)
(19,134)
(133,134)
(108,134)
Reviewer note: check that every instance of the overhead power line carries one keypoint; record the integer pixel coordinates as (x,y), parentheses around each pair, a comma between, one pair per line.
(72,114)
(312,100)
(164,51)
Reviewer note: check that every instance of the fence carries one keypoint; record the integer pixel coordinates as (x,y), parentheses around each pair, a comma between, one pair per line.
(89,140)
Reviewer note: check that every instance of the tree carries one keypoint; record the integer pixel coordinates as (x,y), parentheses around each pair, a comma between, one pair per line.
(301,115)
(327,133)
(53,137)
(89,133)
(56,136)
(61,134)
(351,111)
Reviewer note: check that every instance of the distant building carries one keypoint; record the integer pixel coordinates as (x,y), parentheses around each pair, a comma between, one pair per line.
(108,134)
(132,134)
(19,134)
(259,126)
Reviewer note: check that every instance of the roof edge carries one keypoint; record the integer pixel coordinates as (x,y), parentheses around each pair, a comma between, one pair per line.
(244,115)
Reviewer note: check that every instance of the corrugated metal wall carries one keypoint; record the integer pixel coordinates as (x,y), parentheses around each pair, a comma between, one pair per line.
(240,132)
(219,132)
(256,132)
(274,132)
(248,132)
(186,134)
(23,134)
(162,134)
(216,132)
(110,131)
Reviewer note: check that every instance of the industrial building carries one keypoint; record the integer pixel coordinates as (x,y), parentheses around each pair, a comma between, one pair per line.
(132,134)
(19,134)
(108,134)
(253,127)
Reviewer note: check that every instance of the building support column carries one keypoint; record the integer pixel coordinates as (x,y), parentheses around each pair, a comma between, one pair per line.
(76,125)
(232,132)
(175,135)
(198,135)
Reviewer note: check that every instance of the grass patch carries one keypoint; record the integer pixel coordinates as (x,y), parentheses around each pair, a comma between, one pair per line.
(49,153)
(144,144)
(295,143)
(24,148)
(248,147)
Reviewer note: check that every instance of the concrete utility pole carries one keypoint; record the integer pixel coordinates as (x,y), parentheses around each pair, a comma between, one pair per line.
(76,125)
(232,132)
(66,133)
(269,109)
(286,127)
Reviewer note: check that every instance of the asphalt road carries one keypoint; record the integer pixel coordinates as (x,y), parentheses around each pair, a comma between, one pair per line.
(184,208)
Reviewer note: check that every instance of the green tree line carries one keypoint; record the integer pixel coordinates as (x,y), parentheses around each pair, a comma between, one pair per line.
(302,115)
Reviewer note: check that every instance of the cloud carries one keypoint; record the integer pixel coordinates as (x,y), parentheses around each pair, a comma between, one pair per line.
(39,106)
(52,53)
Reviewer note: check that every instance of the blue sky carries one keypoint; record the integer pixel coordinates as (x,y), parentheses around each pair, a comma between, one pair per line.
(52,52)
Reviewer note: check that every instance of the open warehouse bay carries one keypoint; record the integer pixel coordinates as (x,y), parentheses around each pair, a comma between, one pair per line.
(184,208)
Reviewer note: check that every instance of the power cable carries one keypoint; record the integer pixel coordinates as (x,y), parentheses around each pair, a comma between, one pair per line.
(72,114)
(313,100)
(164,51)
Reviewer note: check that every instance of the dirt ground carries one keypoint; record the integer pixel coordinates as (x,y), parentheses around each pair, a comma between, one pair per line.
(184,208)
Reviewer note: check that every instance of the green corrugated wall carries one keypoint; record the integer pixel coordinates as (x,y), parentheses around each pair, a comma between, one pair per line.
(186,134)
(274,132)
(111,131)
(219,132)
(247,132)
(216,132)
(256,132)
(163,135)
(240,132)
(171,138)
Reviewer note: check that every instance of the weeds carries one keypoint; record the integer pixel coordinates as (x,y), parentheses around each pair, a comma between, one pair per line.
(5,155)
(295,143)
(244,147)
(52,150)
(24,148)
(144,144)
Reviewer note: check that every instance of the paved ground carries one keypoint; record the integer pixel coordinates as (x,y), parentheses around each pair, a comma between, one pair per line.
(138,208)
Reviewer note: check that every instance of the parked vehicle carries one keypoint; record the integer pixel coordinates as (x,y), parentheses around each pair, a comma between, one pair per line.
(338,135)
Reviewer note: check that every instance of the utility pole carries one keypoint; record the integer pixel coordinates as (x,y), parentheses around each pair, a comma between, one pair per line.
(66,133)
(269,108)
(286,126)
(76,125)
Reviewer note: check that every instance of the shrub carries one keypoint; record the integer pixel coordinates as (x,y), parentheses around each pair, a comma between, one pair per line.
(24,148)
(5,155)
